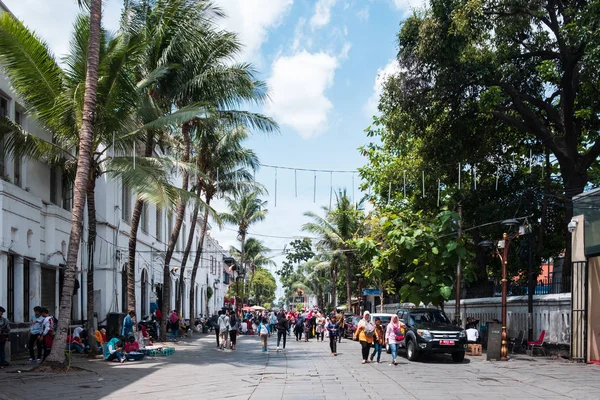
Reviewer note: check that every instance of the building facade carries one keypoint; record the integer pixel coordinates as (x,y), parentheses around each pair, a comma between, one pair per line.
(35,223)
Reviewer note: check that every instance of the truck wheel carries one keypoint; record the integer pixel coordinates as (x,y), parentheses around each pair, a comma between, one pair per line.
(458,356)
(411,351)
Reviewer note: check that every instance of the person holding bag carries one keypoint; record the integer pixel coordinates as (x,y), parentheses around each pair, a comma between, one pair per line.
(365,333)
(394,335)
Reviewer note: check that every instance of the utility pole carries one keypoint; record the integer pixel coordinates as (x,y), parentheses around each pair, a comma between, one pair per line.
(458,270)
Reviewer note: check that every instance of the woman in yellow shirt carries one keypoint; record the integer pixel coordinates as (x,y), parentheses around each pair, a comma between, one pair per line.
(365,332)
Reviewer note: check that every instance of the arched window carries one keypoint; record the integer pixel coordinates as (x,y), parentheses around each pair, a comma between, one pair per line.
(144,307)
(124,289)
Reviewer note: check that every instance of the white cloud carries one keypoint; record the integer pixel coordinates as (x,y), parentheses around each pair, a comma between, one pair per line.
(363,13)
(390,68)
(322,13)
(252,19)
(345,51)
(298,84)
(408,5)
(53,20)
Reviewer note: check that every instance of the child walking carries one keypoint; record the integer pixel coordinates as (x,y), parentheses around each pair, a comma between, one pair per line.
(306,329)
(264,330)
(333,329)
(379,340)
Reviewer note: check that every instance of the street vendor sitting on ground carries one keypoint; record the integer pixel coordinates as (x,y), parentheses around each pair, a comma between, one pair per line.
(132,350)
(114,350)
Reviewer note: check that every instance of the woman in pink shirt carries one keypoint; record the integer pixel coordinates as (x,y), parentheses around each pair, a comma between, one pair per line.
(394,336)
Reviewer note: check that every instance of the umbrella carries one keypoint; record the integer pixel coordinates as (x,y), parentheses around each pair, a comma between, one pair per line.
(247,308)
(258,308)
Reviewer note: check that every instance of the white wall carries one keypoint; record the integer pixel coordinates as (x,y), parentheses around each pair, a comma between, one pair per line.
(552,313)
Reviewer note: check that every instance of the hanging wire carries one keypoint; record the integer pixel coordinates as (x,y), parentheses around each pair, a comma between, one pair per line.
(459,171)
(315,188)
(275,187)
(296,183)
(439,189)
(475,177)
(330,188)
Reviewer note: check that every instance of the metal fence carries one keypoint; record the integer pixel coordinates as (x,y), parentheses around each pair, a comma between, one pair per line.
(546,285)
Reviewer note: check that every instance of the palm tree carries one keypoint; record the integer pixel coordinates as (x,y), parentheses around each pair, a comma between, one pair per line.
(224,163)
(115,128)
(255,253)
(314,278)
(243,212)
(335,231)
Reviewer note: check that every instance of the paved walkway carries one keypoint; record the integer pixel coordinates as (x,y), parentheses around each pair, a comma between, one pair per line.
(304,371)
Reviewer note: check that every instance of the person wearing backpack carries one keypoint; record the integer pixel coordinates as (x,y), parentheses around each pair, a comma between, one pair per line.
(298,328)
(264,330)
(365,333)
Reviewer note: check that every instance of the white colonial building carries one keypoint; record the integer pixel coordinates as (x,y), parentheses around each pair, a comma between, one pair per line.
(35,220)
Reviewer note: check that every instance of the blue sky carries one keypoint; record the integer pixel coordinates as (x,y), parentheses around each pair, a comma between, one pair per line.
(323,61)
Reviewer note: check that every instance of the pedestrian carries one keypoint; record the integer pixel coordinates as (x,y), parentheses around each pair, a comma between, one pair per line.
(394,335)
(264,332)
(272,321)
(215,325)
(158,315)
(4,331)
(379,340)
(342,324)
(298,327)
(282,329)
(128,324)
(320,329)
(224,330)
(47,332)
(35,334)
(307,329)
(174,325)
(365,333)
(333,328)
(233,328)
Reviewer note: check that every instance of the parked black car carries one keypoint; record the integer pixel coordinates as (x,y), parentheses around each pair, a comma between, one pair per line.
(429,330)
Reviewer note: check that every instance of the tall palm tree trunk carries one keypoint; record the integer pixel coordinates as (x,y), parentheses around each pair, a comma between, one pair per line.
(132,245)
(138,207)
(56,359)
(174,236)
(188,248)
(348,279)
(91,203)
(197,258)
(334,277)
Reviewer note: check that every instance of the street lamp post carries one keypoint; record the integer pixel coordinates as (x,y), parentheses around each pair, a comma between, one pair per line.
(504,244)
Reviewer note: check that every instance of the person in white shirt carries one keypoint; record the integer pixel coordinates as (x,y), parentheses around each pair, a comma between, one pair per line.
(472,335)
(223,330)
(77,331)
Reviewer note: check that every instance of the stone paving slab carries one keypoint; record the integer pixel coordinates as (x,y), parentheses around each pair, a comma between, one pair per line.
(304,371)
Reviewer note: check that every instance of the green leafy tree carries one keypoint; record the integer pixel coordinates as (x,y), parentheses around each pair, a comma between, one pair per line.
(336,231)
(471,71)
(263,286)
(421,252)
(300,251)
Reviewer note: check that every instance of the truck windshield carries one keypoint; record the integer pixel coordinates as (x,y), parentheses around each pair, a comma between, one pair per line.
(431,316)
